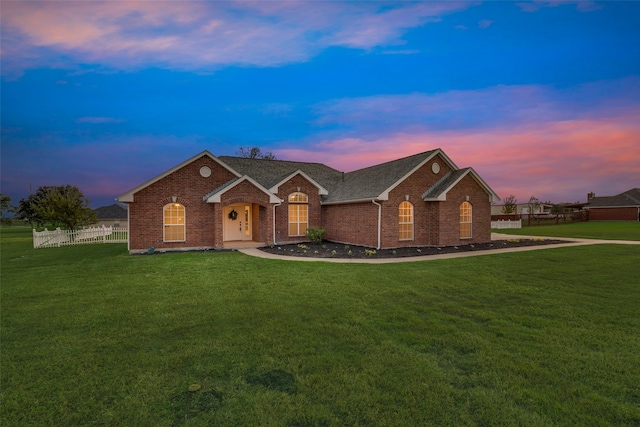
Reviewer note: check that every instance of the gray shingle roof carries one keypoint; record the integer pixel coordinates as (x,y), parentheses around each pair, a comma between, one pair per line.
(113,211)
(628,198)
(362,184)
(444,183)
(270,172)
(369,183)
(222,187)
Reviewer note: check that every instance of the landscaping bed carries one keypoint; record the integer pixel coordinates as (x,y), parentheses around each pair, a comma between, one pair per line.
(339,250)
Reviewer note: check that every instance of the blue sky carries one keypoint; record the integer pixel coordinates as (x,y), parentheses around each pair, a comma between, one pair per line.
(541,98)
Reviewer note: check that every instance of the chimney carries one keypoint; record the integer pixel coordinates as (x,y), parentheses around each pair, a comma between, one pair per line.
(590,196)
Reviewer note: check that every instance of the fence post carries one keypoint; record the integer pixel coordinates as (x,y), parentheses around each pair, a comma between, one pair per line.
(104,234)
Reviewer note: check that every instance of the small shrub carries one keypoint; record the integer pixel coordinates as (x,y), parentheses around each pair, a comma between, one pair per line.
(303,246)
(315,234)
(370,252)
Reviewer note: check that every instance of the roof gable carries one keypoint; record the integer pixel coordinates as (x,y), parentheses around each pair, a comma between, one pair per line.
(216,195)
(376,182)
(438,192)
(321,190)
(128,196)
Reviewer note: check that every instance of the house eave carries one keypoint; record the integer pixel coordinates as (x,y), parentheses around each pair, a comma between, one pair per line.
(346,202)
(217,197)
(493,197)
(612,207)
(385,193)
(321,190)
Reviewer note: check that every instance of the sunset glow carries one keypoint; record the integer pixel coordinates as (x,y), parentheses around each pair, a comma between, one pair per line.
(540,98)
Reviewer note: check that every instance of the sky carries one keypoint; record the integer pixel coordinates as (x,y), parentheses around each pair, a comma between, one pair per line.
(541,98)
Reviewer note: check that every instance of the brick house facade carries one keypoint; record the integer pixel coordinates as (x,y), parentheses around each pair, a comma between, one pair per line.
(210,202)
(622,207)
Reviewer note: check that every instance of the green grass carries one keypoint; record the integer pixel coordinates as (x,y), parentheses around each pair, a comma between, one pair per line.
(93,336)
(606,230)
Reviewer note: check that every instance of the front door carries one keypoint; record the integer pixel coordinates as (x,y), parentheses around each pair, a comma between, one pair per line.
(237,222)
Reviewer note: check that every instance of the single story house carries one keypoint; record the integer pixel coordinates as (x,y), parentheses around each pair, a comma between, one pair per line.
(113,215)
(523,209)
(623,207)
(209,202)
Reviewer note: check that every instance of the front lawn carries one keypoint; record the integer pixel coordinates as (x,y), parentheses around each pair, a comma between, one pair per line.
(606,230)
(93,336)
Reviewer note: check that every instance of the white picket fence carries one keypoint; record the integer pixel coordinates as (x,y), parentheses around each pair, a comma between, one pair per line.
(506,224)
(56,238)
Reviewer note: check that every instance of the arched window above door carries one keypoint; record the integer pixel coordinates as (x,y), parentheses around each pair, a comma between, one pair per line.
(298,214)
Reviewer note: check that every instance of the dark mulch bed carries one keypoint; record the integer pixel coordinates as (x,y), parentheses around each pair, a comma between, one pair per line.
(339,250)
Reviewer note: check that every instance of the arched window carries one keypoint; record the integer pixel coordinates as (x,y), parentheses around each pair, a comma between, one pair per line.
(465,220)
(298,214)
(174,223)
(405,221)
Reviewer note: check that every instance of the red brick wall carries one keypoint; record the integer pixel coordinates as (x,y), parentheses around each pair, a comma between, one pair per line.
(354,224)
(435,223)
(450,214)
(282,211)
(146,210)
(613,214)
(425,214)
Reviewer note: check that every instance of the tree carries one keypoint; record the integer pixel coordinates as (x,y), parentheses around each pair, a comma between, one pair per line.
(26,207)
(5,209)
(533,205)
(510,205)
(62,206)
(255,153)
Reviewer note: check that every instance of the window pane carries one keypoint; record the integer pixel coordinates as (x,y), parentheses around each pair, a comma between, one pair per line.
(298,198)
(174,220)
(174,232)
(466,216)
(302,215)
(298,214)
(405,221)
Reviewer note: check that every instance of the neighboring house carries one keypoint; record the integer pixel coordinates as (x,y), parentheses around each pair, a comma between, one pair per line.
(219,202)
(623,207)
(112,215)
(523,209)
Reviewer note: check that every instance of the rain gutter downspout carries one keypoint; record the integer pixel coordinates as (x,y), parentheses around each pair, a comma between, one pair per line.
(379,221)
(273,230)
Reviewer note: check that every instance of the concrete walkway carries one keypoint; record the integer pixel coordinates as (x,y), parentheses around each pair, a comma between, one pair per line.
(494,236)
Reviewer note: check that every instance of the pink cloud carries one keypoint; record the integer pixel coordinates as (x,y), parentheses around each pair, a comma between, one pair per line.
(201,35)
(556,161)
